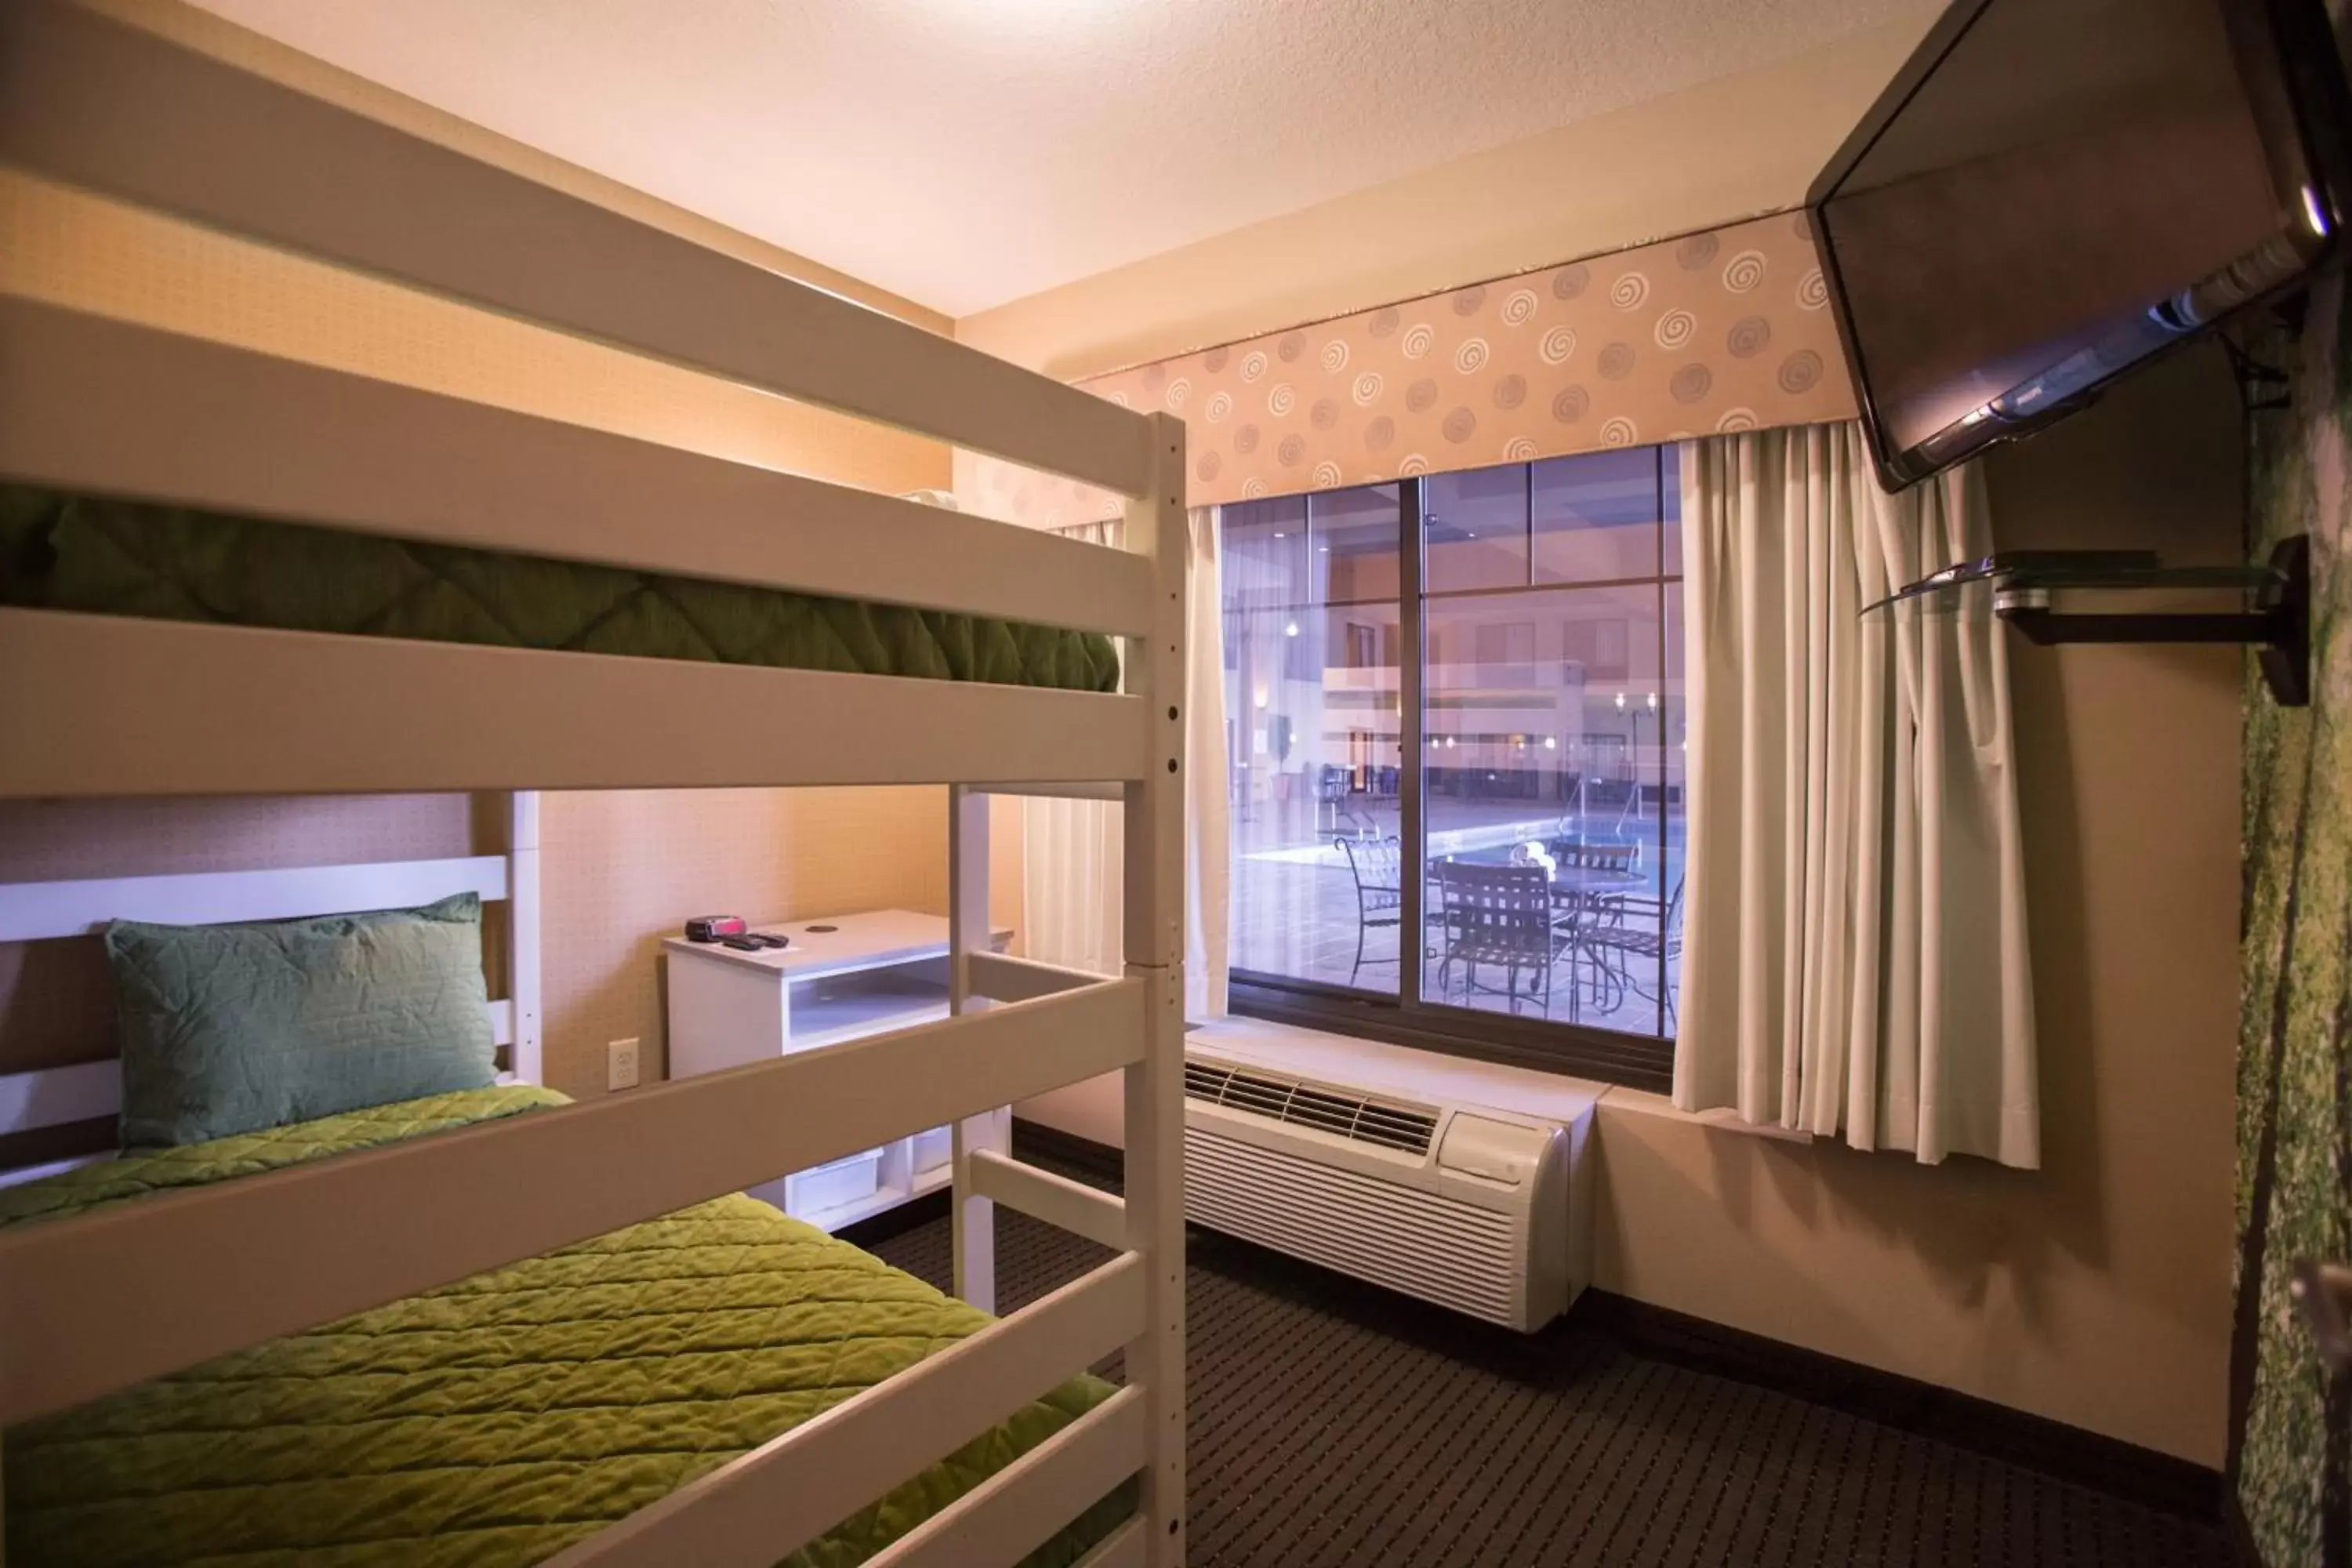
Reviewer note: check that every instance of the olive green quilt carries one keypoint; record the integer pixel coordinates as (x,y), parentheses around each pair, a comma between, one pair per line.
(502,1418)
(62,551)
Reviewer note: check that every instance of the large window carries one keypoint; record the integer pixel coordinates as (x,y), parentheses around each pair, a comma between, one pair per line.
(1456,708)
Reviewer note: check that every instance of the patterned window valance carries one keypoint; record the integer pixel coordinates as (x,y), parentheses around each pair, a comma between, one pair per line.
(1725,331)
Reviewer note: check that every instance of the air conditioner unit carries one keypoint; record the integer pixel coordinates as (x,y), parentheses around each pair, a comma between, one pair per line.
(1484,1211)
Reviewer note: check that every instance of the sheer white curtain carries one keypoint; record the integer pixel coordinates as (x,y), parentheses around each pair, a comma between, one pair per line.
(1855,955)
(1071,849)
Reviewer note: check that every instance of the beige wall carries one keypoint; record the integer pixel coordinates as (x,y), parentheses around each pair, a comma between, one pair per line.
(620,868)
(1696,159)
(623,868)
(2097,1290)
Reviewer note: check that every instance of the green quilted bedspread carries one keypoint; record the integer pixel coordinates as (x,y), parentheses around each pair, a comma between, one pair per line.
(81,552)
(501,1420)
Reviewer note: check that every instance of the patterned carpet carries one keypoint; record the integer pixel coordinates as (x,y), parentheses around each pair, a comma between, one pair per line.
(1335,1425)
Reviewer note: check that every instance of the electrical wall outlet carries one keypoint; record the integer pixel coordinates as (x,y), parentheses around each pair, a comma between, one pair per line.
(621,1064)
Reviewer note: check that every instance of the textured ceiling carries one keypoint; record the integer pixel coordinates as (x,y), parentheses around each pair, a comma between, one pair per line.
(964,152)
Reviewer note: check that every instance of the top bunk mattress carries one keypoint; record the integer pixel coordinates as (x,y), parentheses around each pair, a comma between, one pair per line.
(67,551)
(502,1418)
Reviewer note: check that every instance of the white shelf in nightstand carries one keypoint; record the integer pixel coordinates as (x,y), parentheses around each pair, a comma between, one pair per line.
(843,976)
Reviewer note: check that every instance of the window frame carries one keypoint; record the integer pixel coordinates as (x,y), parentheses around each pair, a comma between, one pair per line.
(1407,1017)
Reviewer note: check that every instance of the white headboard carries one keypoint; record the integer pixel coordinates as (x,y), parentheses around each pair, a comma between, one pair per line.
(31,911)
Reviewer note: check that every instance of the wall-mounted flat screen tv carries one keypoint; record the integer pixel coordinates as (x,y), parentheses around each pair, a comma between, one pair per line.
(2052,192)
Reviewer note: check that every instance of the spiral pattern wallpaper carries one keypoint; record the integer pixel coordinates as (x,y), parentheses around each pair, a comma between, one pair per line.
(1728,331)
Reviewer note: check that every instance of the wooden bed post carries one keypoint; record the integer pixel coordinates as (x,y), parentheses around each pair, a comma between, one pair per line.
(522,934)
(1154,945)
(974,1225)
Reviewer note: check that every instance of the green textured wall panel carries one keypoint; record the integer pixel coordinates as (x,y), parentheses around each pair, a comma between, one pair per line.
(2289,1426)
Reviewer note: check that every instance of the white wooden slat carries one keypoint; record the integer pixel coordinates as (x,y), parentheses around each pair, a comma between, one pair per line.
(971,1218)
(209,424)
(231,1265)
(1123,1549)
(1110,792)
(522,1020)
(20,1174)
(1152,880)
(1075,1207)
(1005,979)
(1153,886)
(761,1506)
(53,1097)
(1154,1191)
(1024,1505)
(316,713)
(90,100)
(32,911)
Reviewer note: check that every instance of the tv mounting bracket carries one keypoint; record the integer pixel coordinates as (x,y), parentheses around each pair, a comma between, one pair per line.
(2026,586)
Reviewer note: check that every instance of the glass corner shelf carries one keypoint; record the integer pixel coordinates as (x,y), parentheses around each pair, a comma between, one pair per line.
(2028,588)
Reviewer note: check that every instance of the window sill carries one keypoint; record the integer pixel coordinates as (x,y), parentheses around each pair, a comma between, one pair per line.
(1724,1120)
(1431,1075)
(1566,1050)
(1401,1069)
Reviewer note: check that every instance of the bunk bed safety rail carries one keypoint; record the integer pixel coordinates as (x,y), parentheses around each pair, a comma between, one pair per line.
(196,423)
(782,1494)
(265,1255)
(322,713)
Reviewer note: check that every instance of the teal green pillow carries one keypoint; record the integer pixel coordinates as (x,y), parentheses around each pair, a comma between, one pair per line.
(235,1028)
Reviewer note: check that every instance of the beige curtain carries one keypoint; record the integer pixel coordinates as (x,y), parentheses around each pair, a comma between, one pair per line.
(1071,854)
(1855,957)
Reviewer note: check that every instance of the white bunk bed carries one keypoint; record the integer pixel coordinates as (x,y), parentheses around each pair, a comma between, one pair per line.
(119,96)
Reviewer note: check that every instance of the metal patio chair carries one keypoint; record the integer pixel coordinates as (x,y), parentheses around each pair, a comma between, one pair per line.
(1498,917)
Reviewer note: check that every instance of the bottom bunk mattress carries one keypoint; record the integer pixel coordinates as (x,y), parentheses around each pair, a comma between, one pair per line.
(502,1418)
(105,556)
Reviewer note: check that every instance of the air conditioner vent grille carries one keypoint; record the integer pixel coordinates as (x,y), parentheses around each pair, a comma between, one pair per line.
(1426,1243)
(1267,1097)
(1408,1127)
(1331,1112)
(1203,1081)
(1390,1124)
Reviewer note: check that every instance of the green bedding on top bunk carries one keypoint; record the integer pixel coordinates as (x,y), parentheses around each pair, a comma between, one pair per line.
(501,1420)
(84,553)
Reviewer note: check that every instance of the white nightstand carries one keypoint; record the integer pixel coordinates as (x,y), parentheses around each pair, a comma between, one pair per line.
(843,976)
